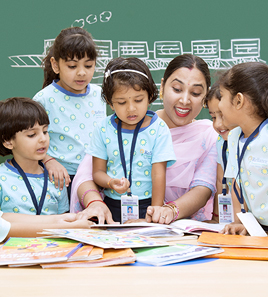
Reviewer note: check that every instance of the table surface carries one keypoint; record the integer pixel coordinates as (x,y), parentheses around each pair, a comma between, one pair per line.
(220,277)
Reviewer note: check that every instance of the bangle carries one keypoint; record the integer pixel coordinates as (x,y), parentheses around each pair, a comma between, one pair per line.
(84,194)
(95,201)
(109,183)
(214,214)
(49,160)
(175,209)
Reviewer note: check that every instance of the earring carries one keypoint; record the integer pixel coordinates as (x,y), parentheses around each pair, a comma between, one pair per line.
(161,95)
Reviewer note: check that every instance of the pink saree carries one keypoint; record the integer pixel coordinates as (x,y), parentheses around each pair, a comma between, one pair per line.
(195,149)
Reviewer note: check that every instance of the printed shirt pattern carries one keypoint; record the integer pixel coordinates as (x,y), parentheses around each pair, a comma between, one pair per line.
(253,171)
(72,121)
(15,197)
(154,144)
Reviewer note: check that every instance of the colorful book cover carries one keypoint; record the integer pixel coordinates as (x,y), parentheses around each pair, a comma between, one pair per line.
(173,254)
(106,238)
(19,251)
(110,257)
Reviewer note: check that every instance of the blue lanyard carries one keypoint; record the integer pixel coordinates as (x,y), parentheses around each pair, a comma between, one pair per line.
(121,149)
(27,183)
(224,159)
(239,161)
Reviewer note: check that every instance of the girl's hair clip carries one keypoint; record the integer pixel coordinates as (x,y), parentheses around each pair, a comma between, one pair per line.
(109,73)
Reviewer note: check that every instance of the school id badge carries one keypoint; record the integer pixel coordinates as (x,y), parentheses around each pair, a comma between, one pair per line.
(129,208)
(226,214)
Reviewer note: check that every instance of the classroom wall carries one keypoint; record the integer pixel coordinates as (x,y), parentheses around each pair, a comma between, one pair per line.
(224,33)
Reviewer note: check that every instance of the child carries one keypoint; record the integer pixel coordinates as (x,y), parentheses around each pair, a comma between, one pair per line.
(72,103)
(128,88)
(24,185)
(23,225)
(244,103)
(211,101)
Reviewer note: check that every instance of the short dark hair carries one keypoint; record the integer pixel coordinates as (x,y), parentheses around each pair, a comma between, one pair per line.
(18,114)
(250,79)
(69,43)
(188,61)
(214,92)
(132,79)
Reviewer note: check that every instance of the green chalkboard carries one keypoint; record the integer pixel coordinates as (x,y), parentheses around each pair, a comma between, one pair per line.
(222,32)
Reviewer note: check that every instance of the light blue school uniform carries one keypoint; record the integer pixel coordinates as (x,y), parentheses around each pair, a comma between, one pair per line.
(253,172)
(154,144)
(4,227)
(72,121)
(15,197)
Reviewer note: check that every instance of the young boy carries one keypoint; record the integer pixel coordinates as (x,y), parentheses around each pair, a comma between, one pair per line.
(24,184)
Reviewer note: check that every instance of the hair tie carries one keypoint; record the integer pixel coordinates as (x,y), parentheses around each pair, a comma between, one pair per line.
(109,73)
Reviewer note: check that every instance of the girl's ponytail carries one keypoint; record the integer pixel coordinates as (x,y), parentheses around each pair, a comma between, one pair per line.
(49,74)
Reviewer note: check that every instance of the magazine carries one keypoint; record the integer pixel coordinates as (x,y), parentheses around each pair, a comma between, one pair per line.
(32,251)
(106,238)
(173,254)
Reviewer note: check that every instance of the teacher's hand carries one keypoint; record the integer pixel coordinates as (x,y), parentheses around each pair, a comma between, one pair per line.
(159,214)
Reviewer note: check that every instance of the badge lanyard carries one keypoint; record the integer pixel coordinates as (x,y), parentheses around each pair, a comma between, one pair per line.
(239,160)
(121,149)
(27,183)
(224,159)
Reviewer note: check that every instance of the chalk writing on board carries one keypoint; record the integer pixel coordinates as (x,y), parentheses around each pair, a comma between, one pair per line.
(91,19)
(157,59)
(241,50)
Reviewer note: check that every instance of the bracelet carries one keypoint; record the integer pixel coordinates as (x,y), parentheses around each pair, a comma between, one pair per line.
(109,183)
(214,214)
(175,208)
(84,194)
(95,201)
(49,160)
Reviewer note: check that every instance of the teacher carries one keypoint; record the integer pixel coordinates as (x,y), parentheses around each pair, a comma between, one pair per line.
(190,182)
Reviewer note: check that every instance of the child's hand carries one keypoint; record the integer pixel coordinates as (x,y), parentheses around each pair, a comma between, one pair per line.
(58,173)
(234,229)
(119,185)
(96,209)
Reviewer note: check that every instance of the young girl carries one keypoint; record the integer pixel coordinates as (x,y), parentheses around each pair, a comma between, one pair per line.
(24,184)
(244,103)
(131,148)
(211,101)
(72,103)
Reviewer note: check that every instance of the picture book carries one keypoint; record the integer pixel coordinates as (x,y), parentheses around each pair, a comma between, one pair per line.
(31,251)
(196,227)
(223,240)
(110,257)
(106,238)
(173,254)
